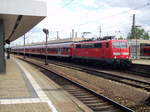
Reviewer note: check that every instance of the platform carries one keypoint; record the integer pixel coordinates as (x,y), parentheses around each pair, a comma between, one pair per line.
(25,89)
(141,61)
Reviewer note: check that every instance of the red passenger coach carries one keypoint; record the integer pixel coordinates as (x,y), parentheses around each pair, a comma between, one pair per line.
(145,50)
(60,49)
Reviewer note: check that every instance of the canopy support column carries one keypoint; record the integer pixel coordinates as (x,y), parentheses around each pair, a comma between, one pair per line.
(2,55)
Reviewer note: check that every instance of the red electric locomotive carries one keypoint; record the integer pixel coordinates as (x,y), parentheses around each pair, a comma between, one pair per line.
(108,51)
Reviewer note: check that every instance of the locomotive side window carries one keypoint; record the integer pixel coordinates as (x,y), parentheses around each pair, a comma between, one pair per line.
(87,46)
(91,45)
(78,46)
(98,45)
(65,50)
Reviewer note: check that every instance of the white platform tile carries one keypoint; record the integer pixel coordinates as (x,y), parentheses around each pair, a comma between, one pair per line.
(43,97)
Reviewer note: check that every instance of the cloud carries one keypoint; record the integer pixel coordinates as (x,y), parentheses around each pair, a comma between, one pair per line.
(87,15)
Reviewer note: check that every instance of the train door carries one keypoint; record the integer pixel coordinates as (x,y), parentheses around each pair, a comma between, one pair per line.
(107,50)
(103,49)
(59,51)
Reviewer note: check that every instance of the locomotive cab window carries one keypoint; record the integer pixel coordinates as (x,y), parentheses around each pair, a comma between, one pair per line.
(119,45)
(97,45)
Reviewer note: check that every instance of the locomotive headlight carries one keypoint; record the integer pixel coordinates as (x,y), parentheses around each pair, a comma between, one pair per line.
(115,57)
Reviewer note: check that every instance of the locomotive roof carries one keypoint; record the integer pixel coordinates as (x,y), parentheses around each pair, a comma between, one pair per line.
(50,45)
(97,41)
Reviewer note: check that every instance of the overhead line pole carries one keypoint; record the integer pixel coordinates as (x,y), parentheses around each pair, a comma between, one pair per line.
(134,36)
(100,31)
(57,35)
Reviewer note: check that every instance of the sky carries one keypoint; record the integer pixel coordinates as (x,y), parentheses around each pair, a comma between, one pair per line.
(113,16)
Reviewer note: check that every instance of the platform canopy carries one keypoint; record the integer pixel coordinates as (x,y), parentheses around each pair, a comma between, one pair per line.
(19,16)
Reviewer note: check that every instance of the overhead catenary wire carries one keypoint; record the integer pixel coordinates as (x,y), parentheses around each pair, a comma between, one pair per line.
(67,4)
(117,14)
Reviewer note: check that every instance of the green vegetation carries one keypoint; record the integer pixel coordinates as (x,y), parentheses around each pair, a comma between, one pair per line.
(120,38)
(139,34)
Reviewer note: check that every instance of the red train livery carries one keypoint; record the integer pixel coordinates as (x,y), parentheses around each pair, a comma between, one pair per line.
(145,50)
(109,51)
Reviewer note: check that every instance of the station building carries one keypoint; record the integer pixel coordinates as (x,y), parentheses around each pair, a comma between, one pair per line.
(140,48)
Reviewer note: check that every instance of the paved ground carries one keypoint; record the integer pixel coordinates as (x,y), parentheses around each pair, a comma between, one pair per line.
(141,61)
(12,83)
(34,107)
(24,89)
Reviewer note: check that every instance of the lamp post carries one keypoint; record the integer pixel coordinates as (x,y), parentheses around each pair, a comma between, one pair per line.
(46,33)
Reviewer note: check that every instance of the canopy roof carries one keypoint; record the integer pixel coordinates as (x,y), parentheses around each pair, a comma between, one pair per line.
(19,16)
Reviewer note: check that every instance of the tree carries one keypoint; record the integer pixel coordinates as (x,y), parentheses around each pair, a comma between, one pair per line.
(139,34)
(120,38)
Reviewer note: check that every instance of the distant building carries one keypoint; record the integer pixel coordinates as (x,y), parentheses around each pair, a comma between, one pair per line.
(139,48)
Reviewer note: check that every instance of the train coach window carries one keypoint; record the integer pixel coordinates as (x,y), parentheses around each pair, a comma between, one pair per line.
(98,45)
(65,50)
(78,46)
(43,49)
(49,49)
(146,51)
(107,45)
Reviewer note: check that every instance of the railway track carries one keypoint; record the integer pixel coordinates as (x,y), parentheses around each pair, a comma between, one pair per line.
(141,70)
(95,101)
(95,71)
(122,79)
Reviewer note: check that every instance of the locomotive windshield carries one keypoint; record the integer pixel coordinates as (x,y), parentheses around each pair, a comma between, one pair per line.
(119,44)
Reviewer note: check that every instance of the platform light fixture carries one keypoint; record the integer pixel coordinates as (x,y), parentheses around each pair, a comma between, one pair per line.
(46,33)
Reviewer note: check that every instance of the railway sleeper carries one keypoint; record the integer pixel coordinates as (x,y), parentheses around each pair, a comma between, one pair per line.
(115,110)
(88,98)
(107,107)
(92,101)
(74,89)
(97,104)
(71,87)
(78,92)
(83,95)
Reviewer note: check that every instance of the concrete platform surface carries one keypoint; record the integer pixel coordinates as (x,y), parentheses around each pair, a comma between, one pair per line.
(25,89)
(141,61)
